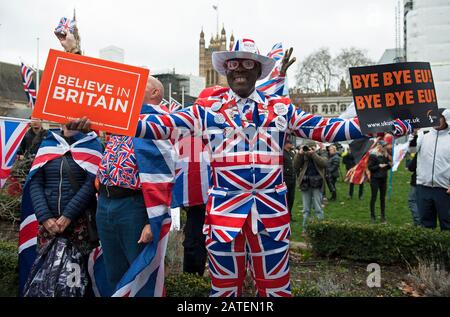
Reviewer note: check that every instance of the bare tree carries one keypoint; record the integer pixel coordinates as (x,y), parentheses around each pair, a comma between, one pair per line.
(350,57)
(317,72)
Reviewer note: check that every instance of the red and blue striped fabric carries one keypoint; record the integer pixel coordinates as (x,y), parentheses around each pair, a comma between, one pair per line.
(86,152)
(11,133)
(28,84)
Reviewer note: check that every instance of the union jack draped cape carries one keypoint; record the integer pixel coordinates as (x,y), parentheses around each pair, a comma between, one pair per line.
(145,277)
(86,152)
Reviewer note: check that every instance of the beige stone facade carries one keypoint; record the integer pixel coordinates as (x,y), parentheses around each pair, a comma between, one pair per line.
(206,70)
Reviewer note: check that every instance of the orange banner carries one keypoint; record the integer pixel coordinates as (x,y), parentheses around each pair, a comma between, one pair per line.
(110,94)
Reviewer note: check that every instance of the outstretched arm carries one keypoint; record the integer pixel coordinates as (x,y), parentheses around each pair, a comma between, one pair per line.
(318,128)
(164,126)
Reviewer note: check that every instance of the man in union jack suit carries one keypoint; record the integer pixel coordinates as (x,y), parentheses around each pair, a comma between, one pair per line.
(247,221)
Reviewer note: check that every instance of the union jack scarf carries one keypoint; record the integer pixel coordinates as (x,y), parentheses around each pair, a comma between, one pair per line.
(145,277)
(86,152)
(28,84)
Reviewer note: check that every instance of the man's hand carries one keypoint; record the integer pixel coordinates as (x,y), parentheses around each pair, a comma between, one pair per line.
(146,235)
(310,153)
(51,226)
(68,42)
(63,222)
(286,62)
(83,125)
(448,190)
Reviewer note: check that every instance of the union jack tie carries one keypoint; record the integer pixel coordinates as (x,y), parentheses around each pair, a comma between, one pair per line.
(247,112)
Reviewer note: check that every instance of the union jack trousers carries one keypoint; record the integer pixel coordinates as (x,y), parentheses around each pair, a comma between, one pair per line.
(267,259)
(246,162)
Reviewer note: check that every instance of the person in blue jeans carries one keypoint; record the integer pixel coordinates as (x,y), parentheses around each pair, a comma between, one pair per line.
(309,166)
(120,221)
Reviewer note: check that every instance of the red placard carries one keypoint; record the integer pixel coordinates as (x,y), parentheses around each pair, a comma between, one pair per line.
(110,94)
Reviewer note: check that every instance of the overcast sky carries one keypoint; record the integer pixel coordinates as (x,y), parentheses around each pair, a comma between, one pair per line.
(164,34)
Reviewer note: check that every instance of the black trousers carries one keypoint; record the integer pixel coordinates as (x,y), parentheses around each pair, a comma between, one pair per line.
(433,203)
(378,184)
(194,241)
(290,195)
(351,188)
(331,182)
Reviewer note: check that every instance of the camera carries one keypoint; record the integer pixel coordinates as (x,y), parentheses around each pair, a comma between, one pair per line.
(305,148)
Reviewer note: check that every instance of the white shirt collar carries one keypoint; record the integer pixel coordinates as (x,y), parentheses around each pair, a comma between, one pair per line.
(254,96)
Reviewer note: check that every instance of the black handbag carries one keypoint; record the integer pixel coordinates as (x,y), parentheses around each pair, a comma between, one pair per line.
(90,212)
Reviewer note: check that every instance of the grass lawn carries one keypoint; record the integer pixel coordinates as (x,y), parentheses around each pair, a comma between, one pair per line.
(355,210)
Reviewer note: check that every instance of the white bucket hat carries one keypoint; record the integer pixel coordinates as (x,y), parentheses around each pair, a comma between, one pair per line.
(245,49)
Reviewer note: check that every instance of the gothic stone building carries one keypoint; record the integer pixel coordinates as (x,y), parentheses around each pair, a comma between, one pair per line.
(206,70)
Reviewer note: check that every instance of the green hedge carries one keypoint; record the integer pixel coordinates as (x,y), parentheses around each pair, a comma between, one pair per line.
(378,243)
(9,277)
(187,285)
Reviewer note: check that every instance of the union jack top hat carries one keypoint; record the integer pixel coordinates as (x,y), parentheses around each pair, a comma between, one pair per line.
(245,49)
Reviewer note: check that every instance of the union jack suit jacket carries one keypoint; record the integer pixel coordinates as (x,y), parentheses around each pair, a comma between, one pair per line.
(247,158)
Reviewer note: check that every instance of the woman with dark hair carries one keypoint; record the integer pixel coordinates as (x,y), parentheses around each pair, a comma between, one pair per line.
(379,163)
(61,188)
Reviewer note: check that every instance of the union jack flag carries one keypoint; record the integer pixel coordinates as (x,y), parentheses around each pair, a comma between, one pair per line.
(192,173)
(165,103)
(174,105)
(65,25)
(12,134)
(86,152)
(145,277)
(274,84)
(28,84)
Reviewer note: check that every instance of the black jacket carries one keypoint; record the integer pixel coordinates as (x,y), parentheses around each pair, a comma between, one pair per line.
(333,165)
(288,166)
(52,193)
(375,170)
(349,161)
(412,166)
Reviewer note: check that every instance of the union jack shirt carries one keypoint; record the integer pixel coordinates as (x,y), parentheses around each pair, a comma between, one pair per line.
(118,166)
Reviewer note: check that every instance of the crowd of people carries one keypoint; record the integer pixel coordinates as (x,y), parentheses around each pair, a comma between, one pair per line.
(246,219)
